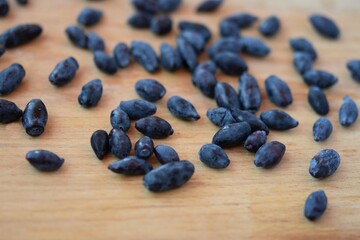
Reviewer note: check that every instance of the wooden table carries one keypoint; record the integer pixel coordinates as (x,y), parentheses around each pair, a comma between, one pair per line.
(84,200)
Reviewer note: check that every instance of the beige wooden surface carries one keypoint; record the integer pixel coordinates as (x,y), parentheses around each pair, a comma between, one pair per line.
(83,200)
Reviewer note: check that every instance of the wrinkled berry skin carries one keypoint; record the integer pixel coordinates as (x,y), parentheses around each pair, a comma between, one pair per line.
(354,68)
(249,93)
(324,163)
(131,166)
(120,119)
(322,129)
(170,58)
(318,101)
(226,96)
(95,42)
(35,117)
(144,147)
(254,122)
(348,112)
(232,135)
(208,65)
(64,72)
(270,26)
(242,19)
(187,54)
(44,160)
(169,176)
(100,143)
(303,45)
(214,156)
(154,127)
(320,78)
(4,8)
(315,205)
(77,36)
(119,143)
(278,120)
(254,47)
(139,20)
(11,78)
(195,27)
(278,91)
(195,39)
(122,55)
(9,111)
(269,154)
(145,55)
(220,116)
(302,62)
(150,89)
(89,16)
(166,154)
(90,93)
(182,108)
(146,6)
(255,140)
(229,44)
(161,25)
(228,29)
(209,5)
(325,26)
(168,6)
(105,63)
(20,34)
(137,108)
(230,63)
(205,81)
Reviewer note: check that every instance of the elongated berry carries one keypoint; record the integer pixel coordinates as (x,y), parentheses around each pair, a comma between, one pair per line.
(77,36)
(315,205)
(303,45)
(137,108)
(44,160)
(348,112)
(254,47)
(105,63)
(120,119)
(269,154)
(9,111)
(228,44)
(318,101)
(119,143)
(4,8)
(220,116)
(242,19)
(182,108)
(169,176)
(324,163)
(90,93)
(195,39)
(95,42)
(320,78)
(322,129)
(232,135)
(278,120)
(254,122)
(214,156)
(146,6)
(325,26)
(122,55)
(196,27)
(35,117)
(150,89)
(187,54)
(226,96)
(228,29)
(166,154)
(100,143)
(168,6)
(255,140)
(170,58)
(22,2)
(20,34)
(131,166)
(89,16)
(10,78)
(209,5)
(139,20)
(205,81)
(161,25)
(278,91)
(144,147)
(64,72)
(145,55)
(230,63)
(154,127)
(302,62)
(270,26)
(354,68)
(249,93)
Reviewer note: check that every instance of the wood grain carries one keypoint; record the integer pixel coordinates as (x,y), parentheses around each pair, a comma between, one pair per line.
(86,201)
